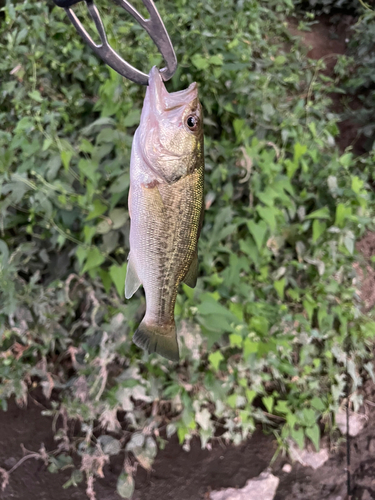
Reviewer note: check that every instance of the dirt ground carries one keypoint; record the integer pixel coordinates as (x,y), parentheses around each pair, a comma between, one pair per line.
(192,475)
(188,475)
(326,40)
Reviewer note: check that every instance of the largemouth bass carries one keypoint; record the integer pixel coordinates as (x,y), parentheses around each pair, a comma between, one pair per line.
(166,208)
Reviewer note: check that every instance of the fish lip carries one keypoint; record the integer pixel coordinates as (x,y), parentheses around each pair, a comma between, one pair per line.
(161,100)
(158,101)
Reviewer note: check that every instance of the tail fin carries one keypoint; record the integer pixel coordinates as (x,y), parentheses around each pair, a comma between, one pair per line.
(160,339)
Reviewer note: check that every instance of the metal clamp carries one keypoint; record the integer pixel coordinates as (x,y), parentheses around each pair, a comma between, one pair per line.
(154,27)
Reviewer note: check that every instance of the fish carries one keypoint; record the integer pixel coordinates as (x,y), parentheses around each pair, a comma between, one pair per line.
(166,207)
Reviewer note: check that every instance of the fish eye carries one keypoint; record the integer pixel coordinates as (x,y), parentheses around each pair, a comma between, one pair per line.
(192,122)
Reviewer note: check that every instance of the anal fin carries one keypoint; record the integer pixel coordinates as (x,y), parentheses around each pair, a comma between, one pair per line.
(192,274)
(132,281)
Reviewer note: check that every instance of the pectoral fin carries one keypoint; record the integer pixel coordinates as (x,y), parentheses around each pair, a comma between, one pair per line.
(132,282)
(192,274)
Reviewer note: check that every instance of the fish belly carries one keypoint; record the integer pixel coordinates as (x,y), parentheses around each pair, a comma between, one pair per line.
(163,240)
(165,224)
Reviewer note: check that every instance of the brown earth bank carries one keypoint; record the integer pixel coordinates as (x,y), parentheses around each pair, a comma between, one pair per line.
(328,39)
(182,475)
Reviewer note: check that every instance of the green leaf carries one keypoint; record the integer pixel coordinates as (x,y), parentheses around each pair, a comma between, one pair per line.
(299,437)
(318,229)
(248,247)
(299,151)
(110,242)
(309,417)
(291,167)
(309,308)
(215,358)
(98,125)
(106,279)
(314,434)
(75,479)
(268,403)
(48,141)
(210,306)
(86,146)
(357,184)
(125,485)
(94,259)
(346,160)
(118,217)
(98,209)
(342,212)
(282,407)
(66,156)
(24,124)
(268,111)
(291,420)
(118,275)
(250,347)
(237,309)
(216,326)
(322,213)
(104,226)
(88,168)
(89,232)
(110,445)
(259,324)
(182,432)
(268,214)
(349,242)
(232,400)
(35,94)
(132,118)
(279,287)
(81,254)
(120,184)
(217,60)
(250,395)
(108,134)
(258,231)
(318,404)
(280,60)
(4,252)
(238,125)
(200,62)
(235,340)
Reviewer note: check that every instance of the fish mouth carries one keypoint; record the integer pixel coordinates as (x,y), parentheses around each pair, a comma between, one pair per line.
(161,100)
(162,115)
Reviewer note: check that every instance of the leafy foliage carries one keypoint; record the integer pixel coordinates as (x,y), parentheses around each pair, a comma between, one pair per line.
(266,332)
(330,6)
(358,79)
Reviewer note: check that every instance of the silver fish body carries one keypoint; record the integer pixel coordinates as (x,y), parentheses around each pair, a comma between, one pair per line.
(166,209)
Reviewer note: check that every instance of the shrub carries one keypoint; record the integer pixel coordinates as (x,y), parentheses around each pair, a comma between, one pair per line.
(275,319)
(329,6)
(358,80)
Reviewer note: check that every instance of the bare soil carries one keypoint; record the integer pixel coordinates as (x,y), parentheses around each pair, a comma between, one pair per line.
(328,39)
(366,272)
(192,475)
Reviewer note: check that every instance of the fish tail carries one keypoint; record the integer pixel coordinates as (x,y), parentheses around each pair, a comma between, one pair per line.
(158,338)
